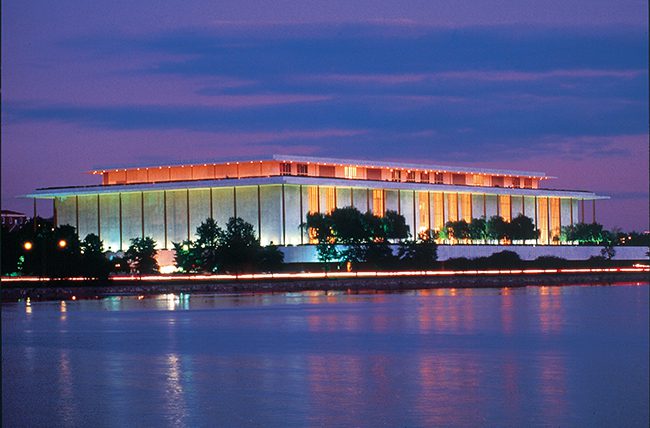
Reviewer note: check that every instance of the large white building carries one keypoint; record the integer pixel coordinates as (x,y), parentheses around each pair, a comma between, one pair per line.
(168,202)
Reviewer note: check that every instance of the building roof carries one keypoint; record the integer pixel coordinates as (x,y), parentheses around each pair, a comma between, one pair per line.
(353,162)
(53,192)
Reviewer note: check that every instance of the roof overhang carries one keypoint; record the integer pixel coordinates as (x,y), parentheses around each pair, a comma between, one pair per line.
(54,192)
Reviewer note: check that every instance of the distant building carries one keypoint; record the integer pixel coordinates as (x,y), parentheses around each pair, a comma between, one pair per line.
(13,220)
(168,202)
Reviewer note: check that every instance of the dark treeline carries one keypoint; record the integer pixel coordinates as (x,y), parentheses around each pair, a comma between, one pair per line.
(346,236)
(235,249)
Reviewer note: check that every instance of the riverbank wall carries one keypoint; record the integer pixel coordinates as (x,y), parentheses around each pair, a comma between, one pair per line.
(359,282)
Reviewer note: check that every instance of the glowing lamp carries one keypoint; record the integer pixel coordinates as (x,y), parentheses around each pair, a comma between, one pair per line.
(28,246)
(62,243)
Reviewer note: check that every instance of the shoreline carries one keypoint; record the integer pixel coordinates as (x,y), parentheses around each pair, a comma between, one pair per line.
(18,290)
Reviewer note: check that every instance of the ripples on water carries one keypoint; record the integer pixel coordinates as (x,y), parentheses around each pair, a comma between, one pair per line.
(551,356)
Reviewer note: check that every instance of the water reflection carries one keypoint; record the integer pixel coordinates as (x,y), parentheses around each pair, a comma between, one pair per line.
(176,408)
(553,387)
(492,357)
(67,404)
(551,315)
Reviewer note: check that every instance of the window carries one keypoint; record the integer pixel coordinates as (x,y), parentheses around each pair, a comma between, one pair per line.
(327,171)
(438,178)
(459,179)
(515,182)
(378,202)
(410,176)
(497,181)
(528,183)
(477,180)
(424,177)
(302,169)
(350,172)
(395,175)
(313,199)
(285,168)
(373,174)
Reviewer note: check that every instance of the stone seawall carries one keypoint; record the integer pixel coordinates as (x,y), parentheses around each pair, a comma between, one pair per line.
(65,290)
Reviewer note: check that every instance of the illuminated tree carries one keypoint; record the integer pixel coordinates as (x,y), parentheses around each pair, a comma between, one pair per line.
(478,229)
(141,255)
(523,228)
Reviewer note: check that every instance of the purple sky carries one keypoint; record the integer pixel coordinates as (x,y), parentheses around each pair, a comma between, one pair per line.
(556,86)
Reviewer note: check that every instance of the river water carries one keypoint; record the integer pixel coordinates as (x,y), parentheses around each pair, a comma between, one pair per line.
(532,356)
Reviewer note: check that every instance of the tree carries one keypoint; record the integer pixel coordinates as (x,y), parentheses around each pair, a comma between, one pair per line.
(348,226)
(271,258)
(478,229)
(93,261)
(186,256)
(141,255)
(210,238)
(584,233)
(320,230)
(240,246)
(395,226)
(523,228)
(11,251)
(418,254)
(458,230)
(497,228)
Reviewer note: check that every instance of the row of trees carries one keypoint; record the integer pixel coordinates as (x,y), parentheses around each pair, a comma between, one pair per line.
(496,228)
(235,249)
(44,250)
(347,236)
(59,253)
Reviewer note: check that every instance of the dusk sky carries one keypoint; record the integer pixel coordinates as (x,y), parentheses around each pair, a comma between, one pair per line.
(554,86)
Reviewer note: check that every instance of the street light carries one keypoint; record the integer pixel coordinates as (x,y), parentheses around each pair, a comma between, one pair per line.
(28,246)
(62,243)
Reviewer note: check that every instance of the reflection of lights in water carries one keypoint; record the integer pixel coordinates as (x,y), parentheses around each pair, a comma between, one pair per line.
(305,275)
(175,393)
(63,309)
(67,403)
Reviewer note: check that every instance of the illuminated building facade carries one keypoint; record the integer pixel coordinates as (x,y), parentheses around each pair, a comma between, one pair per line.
(168,202)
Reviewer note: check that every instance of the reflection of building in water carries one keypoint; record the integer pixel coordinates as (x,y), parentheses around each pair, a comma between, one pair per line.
(168,202)
(551,314)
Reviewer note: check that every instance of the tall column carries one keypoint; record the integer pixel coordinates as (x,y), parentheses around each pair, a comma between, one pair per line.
(414,216)
(99,218)
(510,205)
(165,217)
(548,220)
(120,216)
(76,213)
(187,204)
(485,206)
(429,209)
(259,212)
(399,202)
(302,220)
(536,221)
(284,219)
(582,211)
(54,213)
(593,211)
(234,201)
(142,211)
(211,204)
